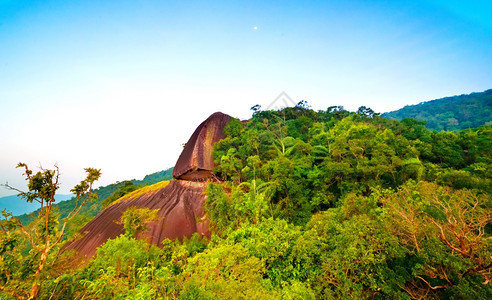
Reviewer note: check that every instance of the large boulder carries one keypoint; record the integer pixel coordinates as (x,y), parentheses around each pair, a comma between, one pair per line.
(181,214)
(180,202)
(196,161)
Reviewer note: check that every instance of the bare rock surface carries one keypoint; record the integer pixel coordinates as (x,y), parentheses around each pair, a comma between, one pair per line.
(196,161)
(180,213)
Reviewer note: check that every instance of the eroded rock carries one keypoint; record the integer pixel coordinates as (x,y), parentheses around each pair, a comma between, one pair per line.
(181,214)
(196,161)
(180,203)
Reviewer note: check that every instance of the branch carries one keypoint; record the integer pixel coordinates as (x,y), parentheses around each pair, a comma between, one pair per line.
(71,213)
(21,193)
(432,287)
(16,293)
(7,186)
(61,234)
(480,270)
(29,237)
(27,172)
(54,185)
(76,209)
(74,212)
(417,293)
(443,238)
(446,276)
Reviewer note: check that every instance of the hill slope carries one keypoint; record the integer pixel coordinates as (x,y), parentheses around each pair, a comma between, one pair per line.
(92,209)
(450,113)
(306,205)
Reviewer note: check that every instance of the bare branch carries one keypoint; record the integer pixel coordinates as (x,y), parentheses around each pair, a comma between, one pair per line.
(432,287)
(8,186)
(443,238)
(29,236)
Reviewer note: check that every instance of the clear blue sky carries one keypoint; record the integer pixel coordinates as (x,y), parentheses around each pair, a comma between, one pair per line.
(119,85)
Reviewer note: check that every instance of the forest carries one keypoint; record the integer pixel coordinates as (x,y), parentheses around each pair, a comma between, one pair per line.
(450,113)
(310,204)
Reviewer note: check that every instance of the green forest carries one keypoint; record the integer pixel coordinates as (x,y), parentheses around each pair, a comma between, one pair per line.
(450,113)
(310,205)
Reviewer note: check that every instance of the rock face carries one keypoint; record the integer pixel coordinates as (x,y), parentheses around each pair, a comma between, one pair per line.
(181,214)
(180,202)
(196,161)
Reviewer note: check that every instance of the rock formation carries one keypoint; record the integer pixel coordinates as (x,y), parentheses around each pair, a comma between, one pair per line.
(180,202)
(196,161)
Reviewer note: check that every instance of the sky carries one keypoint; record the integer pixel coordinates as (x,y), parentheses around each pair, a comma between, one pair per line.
(121,85)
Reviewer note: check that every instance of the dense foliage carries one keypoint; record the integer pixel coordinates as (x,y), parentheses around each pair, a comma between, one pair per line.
(450,113)
(327,204)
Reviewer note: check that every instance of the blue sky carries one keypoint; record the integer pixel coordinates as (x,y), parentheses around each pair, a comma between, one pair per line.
(120,85)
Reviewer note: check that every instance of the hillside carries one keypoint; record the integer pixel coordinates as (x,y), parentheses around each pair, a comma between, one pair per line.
(300,204)
(450,113)
(104,192)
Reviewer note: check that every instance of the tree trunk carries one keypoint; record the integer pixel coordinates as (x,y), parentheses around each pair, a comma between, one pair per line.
(35,285)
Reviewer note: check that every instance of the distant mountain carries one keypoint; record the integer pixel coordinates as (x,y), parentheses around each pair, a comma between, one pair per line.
(17,206)
(92,209)
(155,177)
(450,113)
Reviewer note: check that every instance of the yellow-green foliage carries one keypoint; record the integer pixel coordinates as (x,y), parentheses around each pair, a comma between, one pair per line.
(146,189)
(134,219)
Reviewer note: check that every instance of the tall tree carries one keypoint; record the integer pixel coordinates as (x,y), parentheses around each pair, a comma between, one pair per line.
(24,249)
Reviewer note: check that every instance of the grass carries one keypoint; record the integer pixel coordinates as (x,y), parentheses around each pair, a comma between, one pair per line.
(146,189)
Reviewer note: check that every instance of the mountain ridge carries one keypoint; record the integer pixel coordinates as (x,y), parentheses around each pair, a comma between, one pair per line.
(451,113)
(18,206)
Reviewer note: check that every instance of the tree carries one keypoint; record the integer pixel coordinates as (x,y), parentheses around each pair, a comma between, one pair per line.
(256,109)
(303,104)
(347,253)
(224,271)
(366,112)
(135,219)
(24,249)
(445,231)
